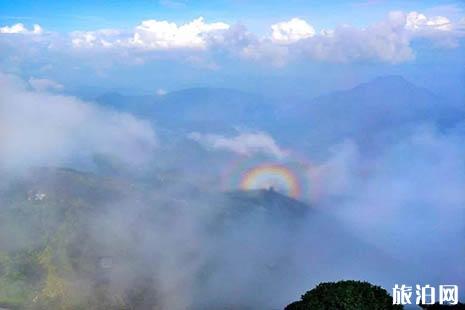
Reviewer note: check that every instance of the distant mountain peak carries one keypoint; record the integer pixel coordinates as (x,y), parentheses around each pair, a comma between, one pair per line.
(271,200)
(387,89)
(388,82)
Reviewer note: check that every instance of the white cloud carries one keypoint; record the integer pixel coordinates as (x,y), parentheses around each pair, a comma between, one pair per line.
(45,85)
(21,29)
(39,128)
(438,29)
(150,35)
(244,143)
(204,44)
(153,34)
(416,22)
(100,38)
(383,42)
(386,41)
(291,31)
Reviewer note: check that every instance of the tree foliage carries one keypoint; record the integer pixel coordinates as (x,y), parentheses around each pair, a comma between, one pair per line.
(345,295)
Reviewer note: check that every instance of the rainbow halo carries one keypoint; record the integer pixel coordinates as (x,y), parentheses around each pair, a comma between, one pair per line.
(275,176)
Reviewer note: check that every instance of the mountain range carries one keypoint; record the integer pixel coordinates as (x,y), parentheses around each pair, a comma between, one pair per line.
(356,113)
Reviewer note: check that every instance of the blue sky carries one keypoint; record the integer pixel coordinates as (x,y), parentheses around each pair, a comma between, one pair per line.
(273,46)
(87,14)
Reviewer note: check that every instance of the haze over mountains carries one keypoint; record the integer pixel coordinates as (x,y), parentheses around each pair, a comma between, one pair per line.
(200,107)
(358,142)
(383,95)
(359,113)
(133,244)
(149,205)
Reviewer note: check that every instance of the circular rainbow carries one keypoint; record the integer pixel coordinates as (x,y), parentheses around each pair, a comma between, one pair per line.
(268,176)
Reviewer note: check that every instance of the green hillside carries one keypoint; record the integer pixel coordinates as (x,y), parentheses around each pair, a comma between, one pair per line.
(49,256)
(74,240)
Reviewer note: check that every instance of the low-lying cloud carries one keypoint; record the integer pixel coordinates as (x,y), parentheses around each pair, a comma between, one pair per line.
(40,128)
(407,198)
(244,143)
(39,84)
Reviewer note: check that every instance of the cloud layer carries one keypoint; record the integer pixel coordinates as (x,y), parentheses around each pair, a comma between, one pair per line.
(389,40)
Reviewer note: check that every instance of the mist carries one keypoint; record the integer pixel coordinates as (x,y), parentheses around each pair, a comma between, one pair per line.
(140,221)
(44,128)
